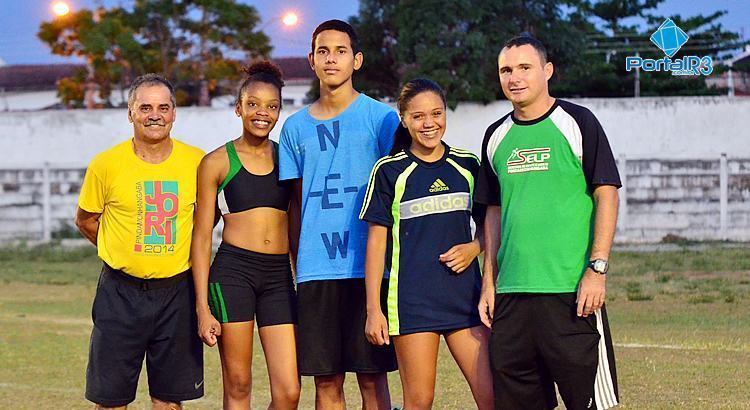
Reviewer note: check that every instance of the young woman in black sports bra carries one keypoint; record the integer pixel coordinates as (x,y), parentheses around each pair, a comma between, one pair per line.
(250,278)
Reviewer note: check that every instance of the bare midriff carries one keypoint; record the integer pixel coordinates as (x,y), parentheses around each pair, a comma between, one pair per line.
(262,230)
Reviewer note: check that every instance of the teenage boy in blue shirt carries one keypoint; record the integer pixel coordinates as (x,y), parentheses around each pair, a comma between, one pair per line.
(327,150)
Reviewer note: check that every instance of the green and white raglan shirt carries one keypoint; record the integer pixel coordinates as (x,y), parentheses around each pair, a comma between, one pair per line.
(542,173)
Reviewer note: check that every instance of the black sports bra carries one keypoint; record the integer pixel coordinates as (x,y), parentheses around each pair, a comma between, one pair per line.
(242,191)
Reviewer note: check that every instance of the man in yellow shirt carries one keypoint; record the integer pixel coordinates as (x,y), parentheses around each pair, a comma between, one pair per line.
(136,205)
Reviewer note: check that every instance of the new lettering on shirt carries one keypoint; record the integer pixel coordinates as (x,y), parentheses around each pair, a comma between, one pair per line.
(324,134)
(335,243)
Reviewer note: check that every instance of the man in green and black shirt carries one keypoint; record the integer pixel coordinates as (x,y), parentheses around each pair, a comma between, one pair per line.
(550,182)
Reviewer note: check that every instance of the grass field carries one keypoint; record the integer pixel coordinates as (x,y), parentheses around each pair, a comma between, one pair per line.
(680,322)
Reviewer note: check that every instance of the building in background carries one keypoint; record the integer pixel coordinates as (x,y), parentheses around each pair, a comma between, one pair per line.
(736,81)
(34,87)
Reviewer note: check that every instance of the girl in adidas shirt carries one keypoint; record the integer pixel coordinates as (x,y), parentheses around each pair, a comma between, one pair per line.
(419,206)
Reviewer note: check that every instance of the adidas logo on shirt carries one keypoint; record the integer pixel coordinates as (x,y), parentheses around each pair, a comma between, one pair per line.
(438,186)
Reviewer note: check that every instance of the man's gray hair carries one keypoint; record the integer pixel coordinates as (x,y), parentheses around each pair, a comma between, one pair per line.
(148,80)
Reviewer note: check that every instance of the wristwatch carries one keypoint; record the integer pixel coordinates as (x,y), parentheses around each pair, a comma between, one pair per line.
(599,266)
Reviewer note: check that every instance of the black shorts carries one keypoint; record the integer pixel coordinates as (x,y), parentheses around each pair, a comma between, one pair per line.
(331,334)
(133,317)
(243,285)
(537,340)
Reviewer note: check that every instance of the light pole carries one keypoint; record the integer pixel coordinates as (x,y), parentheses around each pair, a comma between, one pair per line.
(637,83)
(288,21)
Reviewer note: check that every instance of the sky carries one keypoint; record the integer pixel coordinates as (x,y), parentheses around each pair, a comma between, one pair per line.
(19,22)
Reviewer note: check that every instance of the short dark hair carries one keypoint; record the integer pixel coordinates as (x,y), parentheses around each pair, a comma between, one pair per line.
(524,39)
(261,72)
(337,25)
(148,80)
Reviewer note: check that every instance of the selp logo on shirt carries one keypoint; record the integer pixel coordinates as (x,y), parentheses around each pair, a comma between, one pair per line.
(527,160)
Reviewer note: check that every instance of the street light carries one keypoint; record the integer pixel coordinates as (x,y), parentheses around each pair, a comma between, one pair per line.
(60,8)
(290,19)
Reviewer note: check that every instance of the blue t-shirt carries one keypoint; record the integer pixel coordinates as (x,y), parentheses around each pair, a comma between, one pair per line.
(334,158)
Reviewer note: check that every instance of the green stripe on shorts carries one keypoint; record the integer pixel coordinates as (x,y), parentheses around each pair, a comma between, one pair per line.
(217,287)
(213,302)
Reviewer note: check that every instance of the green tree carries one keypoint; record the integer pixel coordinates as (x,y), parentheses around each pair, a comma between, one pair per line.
(449,44)
(455,42)
(220,27)
(379,76)
(103,39)
(72,90)
(613,12)
(157,23)
(196,43)
(614,42)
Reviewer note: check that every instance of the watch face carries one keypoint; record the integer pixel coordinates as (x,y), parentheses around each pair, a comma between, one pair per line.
(600,266)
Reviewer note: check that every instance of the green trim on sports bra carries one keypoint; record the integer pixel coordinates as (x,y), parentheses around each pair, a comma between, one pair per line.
(234,164)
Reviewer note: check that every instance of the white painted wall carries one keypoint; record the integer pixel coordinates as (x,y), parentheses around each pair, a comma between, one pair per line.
(661,127)
(39,100)
(295,92)
(664,193)
(27,100)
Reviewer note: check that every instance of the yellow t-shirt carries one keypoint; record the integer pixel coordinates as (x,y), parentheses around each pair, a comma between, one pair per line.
(147,209)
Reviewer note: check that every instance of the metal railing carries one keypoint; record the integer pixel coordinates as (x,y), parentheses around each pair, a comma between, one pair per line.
(33,183)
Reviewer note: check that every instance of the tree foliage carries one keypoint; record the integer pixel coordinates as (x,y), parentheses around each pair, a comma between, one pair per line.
(216,29)
(200,43)
(106,43)
(196,43)
(378,76)
(707,38)
(456,43)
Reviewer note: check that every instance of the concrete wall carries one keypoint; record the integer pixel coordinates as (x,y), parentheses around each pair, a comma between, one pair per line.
(23,214)
(671,148)
(660,197)
(690,198)
(689,127)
